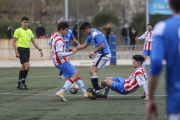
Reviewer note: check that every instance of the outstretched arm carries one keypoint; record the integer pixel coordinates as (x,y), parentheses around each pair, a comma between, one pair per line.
(82,46)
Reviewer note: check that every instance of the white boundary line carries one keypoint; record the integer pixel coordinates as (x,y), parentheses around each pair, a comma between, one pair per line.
(69,95)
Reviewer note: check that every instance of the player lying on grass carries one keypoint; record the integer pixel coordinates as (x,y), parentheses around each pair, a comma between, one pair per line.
(59,56)
(125,86)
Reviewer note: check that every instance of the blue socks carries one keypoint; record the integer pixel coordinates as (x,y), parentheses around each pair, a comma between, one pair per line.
(81,85)
(66,86)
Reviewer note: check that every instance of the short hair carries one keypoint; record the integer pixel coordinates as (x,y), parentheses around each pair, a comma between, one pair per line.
(175,4)
(150,24)
(138,58)
(84,25)
(24,18)
(67,22)
(63,26)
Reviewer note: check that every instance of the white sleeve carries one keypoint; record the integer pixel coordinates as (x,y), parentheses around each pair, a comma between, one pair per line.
(142,36)
(59,50)
(145,87)
(141,79)
(61,54)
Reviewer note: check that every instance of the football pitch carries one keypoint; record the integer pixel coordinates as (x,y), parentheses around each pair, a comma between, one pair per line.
(41,103)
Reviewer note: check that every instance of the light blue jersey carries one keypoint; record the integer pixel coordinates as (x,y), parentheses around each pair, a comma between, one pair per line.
(67,38)
(96,38)
(166,46)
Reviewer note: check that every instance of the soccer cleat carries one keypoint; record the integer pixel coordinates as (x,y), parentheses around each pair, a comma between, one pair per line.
(19,87)
(88,95)
(23,86)
(96,95)
(61,77)
(103,96)
(89,89)
(61,96)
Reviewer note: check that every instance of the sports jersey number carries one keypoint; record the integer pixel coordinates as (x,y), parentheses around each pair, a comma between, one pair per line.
(179,38)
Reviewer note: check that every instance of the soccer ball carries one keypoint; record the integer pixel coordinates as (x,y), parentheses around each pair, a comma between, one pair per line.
(74,89)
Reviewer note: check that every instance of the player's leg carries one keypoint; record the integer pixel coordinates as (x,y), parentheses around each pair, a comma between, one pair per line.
(68,72)
(145,54)
(24,75)
(81,85)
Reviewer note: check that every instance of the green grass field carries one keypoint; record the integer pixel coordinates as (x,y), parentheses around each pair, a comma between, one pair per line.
(40,102)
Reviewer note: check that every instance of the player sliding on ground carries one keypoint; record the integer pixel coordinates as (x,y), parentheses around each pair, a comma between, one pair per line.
(125,86)
(59,56)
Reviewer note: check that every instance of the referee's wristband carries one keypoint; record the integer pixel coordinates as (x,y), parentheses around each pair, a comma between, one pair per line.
(92,52)
(16,51)
(40,49)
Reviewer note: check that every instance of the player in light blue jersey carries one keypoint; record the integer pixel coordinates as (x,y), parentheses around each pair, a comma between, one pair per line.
(103,53)
(67,38)
(166,46)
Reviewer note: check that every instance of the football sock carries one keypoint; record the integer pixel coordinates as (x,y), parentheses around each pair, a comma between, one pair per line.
(94,80)
(66,86)
(144,64)
(24,75)
(106,91)
(20,76)
(60,73)
(81,85)
(101,85)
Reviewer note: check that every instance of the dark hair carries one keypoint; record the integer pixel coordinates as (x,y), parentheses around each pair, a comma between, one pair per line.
(24,18)
(175,5)
(63,26)
(138,58)
(84,25)
(67,22)
(150,24)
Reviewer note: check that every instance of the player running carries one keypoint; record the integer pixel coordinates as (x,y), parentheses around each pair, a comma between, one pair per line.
(99,41)
(59,57)
(148,36)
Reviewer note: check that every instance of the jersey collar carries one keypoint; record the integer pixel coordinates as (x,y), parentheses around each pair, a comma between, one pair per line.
(58,34)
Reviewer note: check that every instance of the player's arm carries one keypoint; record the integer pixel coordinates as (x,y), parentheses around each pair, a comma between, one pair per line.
(15,47)
(142,82)
(141,37)
(82,46)
(37,46)
(76,41)
(59,50)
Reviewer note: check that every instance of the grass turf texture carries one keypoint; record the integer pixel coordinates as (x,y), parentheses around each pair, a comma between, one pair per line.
(40,102)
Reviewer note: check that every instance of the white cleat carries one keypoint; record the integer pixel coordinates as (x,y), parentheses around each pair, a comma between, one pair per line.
(61,96)
(61,77)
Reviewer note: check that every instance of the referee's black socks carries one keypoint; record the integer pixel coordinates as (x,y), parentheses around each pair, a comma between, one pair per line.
(24,75)
(20,76)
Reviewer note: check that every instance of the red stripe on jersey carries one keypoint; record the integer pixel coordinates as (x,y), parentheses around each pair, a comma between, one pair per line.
(147,34)
(53,34)
(129,86)
(145,45)
(57,58)
(137,73)
(149,46)
(150,34)
(134,89)
(56,36)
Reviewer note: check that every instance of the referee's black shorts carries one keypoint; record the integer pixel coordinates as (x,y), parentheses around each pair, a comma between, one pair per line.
(24,54)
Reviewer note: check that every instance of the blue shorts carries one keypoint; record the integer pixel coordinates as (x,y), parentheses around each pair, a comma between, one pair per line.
(118,85)
(67,69)
(146,52)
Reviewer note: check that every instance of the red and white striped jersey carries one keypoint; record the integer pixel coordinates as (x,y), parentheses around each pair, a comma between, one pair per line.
(137,79)
(148,36)
(58,45)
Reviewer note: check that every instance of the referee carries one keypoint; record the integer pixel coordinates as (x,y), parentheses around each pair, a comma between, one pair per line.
(23,36)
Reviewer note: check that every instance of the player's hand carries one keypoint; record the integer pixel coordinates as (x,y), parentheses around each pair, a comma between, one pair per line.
(41,53)
(150,109)
(17,55)
(79,45)
(74,50)
(70,49)
(90,55)
(136,38)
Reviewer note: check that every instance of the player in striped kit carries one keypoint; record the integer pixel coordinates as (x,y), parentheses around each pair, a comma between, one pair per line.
(131,84)
(60,60)
(148,36)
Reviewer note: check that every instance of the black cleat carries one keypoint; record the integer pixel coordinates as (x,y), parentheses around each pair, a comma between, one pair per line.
(96,95)
(89,89)
(19,85)
(24,86)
